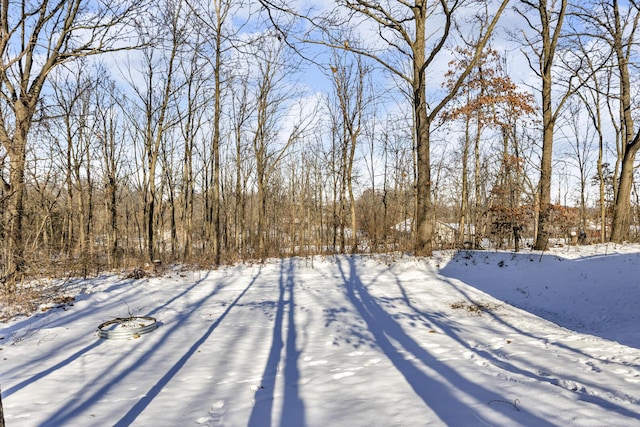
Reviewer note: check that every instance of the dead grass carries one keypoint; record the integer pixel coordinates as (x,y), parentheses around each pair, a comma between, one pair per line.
(475,307)
(26,299)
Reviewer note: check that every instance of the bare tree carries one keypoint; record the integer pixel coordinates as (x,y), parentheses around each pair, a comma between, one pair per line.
(413,33)
(582,145)
(220,32)
(155,93)
(596,80)
(271,140)
(191,116)
(214,15)
(615,24)
(351,94)
(110,132)
(241,112)
(73,128)
(543,46)
(35,38)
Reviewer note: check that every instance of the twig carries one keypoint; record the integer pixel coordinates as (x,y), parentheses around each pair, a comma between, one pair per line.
(514,403)
(128,308)
(17,338)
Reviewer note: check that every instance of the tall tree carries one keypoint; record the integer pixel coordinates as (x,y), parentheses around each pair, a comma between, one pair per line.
(221,37)
(271,140)
(413,33)
(241,111)
(35,38)
(592,101)
(110,132)
(74,97)
(616,24)
(543,46)
(191,115)
(155,95)
(351,94)
(580,156)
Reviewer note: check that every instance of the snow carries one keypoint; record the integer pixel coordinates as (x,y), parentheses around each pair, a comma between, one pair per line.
(461,339)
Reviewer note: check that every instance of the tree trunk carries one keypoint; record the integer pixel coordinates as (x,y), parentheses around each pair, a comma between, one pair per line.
(544,186)
(622,209)
(464,192)
(352,203)
(478,231)
(343,190)
(262,214)
(629,144)
(239,196)
(602,190)
(17,163)
(215,148)
(150,205)
(89,240)
(112,190)
(70,235)
(187,185)
(423,221)
(547,56)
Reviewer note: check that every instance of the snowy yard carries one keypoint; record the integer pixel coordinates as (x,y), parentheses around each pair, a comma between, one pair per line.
(466,339)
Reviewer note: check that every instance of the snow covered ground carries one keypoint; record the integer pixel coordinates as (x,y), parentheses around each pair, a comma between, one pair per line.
(460,339)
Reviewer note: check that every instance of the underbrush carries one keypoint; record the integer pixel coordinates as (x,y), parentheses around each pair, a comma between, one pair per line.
(475,307)
(29,298)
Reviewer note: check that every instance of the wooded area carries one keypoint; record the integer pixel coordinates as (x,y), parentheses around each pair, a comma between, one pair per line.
(208,132)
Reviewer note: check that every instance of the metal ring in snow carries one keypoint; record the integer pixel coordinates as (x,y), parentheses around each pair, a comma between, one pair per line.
(123,328)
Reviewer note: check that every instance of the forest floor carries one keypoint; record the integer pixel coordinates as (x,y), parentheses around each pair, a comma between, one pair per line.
(462,338)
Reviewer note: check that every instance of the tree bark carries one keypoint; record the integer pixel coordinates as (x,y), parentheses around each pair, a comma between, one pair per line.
(549,40)
(621,220)
(215,146)
(423,221)
(17,152)
(630,143)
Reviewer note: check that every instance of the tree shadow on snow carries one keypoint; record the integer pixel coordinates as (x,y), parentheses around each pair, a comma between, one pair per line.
(293,410)
(595,295)
(134,359)
(531,371)
(439,392)
(155,390)
(54,319)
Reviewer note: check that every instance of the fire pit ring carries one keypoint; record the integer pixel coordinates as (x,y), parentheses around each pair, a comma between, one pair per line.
(123,328)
